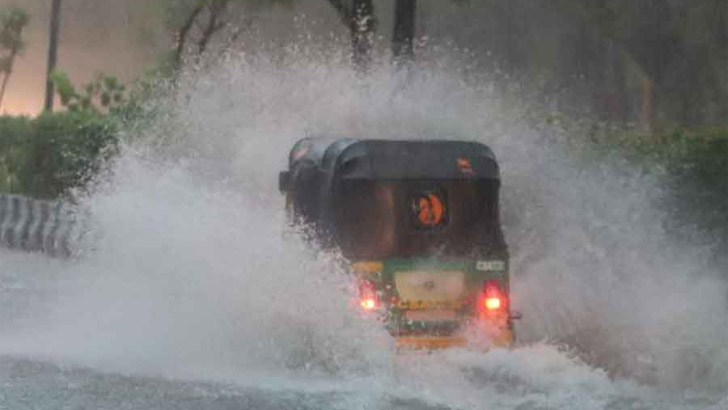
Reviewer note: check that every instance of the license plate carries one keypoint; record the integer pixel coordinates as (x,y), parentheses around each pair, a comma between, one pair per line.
(430,285)
(430,315)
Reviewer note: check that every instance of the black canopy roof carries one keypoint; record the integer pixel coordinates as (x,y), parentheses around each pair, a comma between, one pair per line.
(387,159)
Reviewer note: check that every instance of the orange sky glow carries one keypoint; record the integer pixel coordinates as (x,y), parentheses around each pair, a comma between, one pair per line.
(120,38)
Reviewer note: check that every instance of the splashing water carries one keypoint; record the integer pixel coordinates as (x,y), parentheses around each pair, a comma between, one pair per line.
(189,273)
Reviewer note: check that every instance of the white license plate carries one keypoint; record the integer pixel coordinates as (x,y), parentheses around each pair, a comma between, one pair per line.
(430,285)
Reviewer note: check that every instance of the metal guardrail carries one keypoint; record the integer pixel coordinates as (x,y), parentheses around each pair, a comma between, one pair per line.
(37,226)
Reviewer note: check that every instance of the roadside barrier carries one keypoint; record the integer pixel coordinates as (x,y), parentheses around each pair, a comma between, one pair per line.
(34,225)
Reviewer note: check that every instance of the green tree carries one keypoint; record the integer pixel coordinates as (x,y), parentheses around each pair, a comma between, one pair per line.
(679,46)
(105,94)
(12,23)
(63,151)
(46,156)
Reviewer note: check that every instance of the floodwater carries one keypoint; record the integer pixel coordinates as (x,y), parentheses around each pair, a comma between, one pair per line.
(188,292)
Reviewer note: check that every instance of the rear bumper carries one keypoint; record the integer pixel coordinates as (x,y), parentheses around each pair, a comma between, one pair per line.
(429,342)
(504,340)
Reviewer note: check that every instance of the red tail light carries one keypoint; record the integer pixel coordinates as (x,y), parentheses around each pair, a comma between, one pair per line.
(493,303)
(368,295)
(494,298)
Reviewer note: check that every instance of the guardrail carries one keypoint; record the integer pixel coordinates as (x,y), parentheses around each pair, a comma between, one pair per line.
(37,226)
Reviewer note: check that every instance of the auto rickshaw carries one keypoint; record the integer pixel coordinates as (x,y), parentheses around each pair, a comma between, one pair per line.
(418,222)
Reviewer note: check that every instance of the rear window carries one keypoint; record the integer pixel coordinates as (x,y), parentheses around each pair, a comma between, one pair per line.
(386,219)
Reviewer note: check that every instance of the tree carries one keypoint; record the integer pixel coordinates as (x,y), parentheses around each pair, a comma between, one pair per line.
(358,16)
(12,22)
(196,22)
(404,30)
(680,47)
(193,15)
(63,151)
(105,94)
(52,52)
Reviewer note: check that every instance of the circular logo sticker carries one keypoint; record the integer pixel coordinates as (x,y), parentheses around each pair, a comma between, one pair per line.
(429,209)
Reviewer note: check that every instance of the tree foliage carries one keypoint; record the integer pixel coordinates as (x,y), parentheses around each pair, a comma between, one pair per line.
(661,63)
(45,157)
(679,45)
(104,94)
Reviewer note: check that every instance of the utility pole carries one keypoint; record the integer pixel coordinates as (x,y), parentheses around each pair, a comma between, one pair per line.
(52,52)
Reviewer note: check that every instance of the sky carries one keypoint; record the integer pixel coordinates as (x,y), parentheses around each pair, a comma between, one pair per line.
(122,38)
(116,37)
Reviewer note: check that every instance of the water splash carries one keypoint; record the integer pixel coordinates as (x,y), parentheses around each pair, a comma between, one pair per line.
(188,271)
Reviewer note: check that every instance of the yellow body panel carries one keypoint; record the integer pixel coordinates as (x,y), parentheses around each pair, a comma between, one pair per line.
(367,267)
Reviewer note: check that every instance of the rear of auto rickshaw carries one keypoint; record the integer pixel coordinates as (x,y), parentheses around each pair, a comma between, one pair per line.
(419,223)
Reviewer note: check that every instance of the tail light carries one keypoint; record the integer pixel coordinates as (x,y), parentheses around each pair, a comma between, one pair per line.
(493,299)
(368,295)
